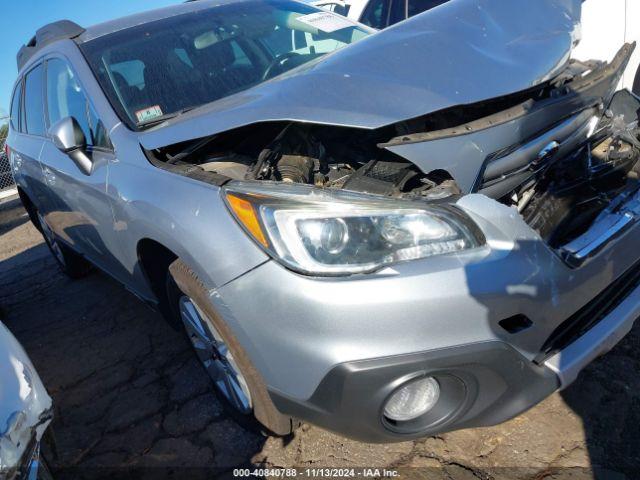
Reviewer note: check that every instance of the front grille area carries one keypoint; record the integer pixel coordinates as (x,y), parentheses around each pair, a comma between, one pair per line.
(589,315)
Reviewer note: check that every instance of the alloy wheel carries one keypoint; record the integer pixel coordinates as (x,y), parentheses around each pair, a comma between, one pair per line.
(215,355)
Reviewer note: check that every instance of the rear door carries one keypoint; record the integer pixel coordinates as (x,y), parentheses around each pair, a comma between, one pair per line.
(82,216)
(27,135)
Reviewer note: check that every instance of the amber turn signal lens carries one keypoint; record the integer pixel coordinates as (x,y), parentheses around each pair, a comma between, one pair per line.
(246,214)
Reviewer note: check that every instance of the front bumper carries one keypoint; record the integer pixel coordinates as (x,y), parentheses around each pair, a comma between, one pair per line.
(488,383)
(332,350)
(493,383)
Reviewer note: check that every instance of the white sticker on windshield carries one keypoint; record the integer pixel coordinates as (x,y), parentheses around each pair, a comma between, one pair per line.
(149,113)
(326,21)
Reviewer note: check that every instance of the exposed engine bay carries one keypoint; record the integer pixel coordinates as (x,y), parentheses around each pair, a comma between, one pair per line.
(324,156)
(571,152)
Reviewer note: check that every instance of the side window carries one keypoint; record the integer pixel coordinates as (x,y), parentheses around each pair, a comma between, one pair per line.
(34,103)
(65,98)
(15,108)
(376,13)
(415,7)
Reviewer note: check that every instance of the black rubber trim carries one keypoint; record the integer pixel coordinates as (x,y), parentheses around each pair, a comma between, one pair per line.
(499,384)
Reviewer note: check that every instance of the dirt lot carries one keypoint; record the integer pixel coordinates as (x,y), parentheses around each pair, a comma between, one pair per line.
(129,394)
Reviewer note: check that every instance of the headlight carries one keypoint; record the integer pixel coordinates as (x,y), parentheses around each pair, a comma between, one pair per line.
(335,232)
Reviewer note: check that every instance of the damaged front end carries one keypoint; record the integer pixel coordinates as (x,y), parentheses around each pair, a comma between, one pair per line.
(564,154)
(25,411)
(514,180)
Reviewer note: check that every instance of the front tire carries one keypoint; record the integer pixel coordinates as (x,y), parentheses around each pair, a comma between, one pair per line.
(71,264)
(236,381)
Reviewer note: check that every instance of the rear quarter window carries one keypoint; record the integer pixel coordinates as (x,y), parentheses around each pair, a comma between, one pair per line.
(15,107)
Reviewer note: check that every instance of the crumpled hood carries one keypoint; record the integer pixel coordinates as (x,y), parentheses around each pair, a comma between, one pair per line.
(25,405)
(461,52)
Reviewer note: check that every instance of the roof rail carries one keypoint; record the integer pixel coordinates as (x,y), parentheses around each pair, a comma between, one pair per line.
(63,29)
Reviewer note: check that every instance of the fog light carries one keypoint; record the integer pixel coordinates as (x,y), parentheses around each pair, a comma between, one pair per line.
(413,400)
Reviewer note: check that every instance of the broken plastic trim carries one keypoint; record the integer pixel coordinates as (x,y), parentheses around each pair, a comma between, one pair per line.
(610,224)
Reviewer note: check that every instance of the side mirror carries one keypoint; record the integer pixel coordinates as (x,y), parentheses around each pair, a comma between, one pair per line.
(69,138)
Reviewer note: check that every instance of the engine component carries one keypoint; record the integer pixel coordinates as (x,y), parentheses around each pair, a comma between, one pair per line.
(377,177)
(295,169)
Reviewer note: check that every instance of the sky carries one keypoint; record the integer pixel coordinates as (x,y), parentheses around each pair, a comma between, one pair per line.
(21,19)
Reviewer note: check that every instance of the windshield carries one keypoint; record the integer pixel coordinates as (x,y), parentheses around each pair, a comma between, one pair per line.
(159,69)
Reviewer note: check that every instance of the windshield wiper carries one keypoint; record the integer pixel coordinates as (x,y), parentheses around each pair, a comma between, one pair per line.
(162,118)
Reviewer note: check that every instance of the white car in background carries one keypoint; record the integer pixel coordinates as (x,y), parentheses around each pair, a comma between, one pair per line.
(378,14)
(606,24)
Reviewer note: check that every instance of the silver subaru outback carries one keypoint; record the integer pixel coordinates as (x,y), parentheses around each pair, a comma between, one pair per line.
(387,234)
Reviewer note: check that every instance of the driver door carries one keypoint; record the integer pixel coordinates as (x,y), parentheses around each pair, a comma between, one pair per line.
(81,213)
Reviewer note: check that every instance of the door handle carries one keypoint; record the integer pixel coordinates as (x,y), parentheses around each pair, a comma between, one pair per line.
(49,176)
